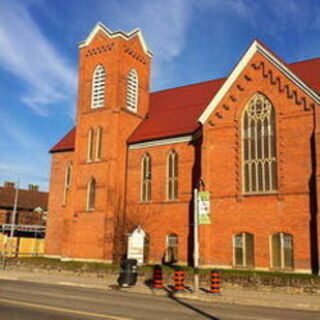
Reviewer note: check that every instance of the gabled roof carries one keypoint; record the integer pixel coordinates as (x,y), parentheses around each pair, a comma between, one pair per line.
(27,199)
(113,34)
(255,47)
(176,112)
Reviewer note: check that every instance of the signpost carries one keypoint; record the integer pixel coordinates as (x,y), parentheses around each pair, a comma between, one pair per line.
(201,216)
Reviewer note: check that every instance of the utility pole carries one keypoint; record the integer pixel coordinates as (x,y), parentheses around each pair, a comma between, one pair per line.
(13,216)
(196,242)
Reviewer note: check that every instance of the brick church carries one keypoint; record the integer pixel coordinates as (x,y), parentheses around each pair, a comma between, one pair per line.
(134,157)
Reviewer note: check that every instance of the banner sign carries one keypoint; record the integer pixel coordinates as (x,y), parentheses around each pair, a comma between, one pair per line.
(204,207)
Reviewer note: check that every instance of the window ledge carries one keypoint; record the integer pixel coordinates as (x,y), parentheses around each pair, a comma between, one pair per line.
(254,194)
(243,267)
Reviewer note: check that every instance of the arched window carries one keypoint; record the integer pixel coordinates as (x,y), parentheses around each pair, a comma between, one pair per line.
(172,176)
(243,248)
(98,144)
(259,146)
(171,255)
(282,250)
(146,178)
(67,183)
(132,90)
(90,145)
(98,87)
(91,194)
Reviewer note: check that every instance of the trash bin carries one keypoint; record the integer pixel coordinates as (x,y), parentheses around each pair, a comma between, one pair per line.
(128,273)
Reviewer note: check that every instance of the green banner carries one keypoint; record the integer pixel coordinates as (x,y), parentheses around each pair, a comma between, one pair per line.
(204,207)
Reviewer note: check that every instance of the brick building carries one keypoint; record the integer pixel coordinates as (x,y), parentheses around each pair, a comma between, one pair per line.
(252,139)
(31,205)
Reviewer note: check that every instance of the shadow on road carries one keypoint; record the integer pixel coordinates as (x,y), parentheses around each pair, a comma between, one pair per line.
(189,306)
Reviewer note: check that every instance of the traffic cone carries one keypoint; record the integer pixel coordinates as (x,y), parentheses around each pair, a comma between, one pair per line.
(178,280)
(215,282)
(157,281)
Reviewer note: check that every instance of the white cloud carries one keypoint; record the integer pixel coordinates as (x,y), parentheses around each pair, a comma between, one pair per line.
(28,54)
(164,25)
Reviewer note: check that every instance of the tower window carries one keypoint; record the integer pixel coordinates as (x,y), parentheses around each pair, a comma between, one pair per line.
(132,90)
(98,87)
(90,145)
(98,144)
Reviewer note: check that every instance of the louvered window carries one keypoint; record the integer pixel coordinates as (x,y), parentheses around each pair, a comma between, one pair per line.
(243,249)
(67,183)
(91,195)
(259,146)
(282,251)
(132,90)
(98,87)
(146,178)
(172,176)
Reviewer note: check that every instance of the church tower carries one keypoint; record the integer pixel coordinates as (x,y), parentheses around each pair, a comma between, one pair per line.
(113,99)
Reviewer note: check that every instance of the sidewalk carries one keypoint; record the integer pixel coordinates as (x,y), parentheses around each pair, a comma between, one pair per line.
(232,296)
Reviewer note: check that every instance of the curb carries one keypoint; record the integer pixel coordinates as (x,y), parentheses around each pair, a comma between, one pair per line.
(205,298)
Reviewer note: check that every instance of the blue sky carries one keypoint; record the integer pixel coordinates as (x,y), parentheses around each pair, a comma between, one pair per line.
(192,41)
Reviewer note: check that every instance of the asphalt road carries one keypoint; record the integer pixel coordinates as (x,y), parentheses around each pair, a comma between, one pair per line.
(32,301)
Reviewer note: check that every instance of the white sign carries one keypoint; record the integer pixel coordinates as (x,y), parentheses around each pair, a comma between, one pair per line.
(204,207)
(136,245)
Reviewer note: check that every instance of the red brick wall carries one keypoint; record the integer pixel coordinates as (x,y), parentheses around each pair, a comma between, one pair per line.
(160,217)
(58,214)
(232,212)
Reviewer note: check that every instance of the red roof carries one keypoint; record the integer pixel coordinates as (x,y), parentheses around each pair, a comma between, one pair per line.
(28,199)
(308,71)
(66,143)
(175,112)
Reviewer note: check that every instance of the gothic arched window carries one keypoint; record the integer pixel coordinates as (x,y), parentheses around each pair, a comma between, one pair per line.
(132,90)
(98,87)
(172,176)
(98,151)
(259,146)
(90,145)
(171,255)
(146,178)
(282,251)
(243,248)
(91,194)
(67,183)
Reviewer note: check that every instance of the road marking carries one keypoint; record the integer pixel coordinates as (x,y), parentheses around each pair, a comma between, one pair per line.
(83,313)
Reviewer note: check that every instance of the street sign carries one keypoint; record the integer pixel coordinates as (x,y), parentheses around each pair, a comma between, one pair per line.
(204,207)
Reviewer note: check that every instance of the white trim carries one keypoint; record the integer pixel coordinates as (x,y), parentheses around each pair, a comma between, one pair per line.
(253,49)
(161,142)
(114,34)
